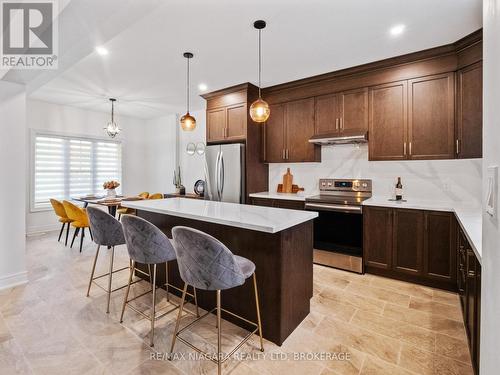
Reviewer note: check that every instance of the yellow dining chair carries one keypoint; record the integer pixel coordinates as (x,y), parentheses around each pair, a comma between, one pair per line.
(63,218)
(144,195)
(156,196)
(131,211)
(80,221)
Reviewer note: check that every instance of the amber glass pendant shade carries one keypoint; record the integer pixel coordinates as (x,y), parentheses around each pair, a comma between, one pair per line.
(188,122)
(259,111)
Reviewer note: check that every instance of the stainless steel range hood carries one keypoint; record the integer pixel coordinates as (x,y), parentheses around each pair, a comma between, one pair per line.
(346,137)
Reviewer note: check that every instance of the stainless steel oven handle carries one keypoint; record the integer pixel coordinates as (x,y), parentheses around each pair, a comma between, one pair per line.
(334,207)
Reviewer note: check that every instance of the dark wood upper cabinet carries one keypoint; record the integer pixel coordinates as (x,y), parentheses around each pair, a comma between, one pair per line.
(377,237)
(299,127)
(327,114)
(354,108)
(431,117)
(470,111)
(227,115)
(275,135)
(216,124)
(408,241)
(440,246)
(236,121)
(388,121)
(345,111)
(287,133)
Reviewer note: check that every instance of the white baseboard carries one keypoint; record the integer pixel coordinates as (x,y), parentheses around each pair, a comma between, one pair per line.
(43,228)
(15,279)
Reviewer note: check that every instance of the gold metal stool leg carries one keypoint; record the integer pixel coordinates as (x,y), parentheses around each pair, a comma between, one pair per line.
(93,269)
(184,290)
(110,276)
(166,280)
(219,357)
(153,308)
(258,311)
(196,302)
(132,267)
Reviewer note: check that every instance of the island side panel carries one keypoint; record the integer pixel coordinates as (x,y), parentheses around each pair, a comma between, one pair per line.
(297,275)
(284,297)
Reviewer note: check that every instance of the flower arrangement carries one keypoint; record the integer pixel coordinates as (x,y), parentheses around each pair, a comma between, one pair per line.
(108,185)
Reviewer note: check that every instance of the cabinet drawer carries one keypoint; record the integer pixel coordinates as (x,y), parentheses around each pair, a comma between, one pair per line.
(292,205)
(263,202)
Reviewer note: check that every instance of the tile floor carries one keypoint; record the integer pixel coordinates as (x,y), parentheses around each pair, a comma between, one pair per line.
(383,326)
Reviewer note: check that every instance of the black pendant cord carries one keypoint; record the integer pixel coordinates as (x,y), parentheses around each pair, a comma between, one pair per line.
(187,85)
(260,62)
(112,112)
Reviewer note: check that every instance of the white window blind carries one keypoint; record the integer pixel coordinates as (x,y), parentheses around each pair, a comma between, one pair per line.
(66,167)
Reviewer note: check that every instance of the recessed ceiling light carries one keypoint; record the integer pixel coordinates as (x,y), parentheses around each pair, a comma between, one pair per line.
(202,87)
(397,30)
(101,51)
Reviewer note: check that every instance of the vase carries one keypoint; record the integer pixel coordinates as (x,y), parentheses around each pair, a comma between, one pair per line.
(111,193)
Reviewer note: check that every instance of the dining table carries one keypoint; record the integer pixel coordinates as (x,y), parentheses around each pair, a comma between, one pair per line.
(112,203)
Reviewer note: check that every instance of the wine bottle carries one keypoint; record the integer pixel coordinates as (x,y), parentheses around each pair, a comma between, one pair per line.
(399,190)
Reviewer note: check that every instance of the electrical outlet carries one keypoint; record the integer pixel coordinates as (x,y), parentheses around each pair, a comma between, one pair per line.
(446,186)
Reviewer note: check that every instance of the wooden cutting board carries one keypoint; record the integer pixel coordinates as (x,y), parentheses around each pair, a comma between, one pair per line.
(287,181)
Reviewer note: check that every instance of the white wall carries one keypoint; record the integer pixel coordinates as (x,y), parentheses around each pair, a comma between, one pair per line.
(13,183)
(192,166)
(161,152)
(490,288)
(455,180)
(148,148)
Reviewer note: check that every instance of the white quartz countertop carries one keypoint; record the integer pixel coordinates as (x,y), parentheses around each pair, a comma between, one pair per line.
(468,217)
(300,196)
(262,219)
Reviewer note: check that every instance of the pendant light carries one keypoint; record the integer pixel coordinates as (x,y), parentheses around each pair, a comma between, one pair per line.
(259,110)
(188,122)
(112,129)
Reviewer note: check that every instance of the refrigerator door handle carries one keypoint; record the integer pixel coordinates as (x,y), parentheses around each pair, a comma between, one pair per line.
(217,175)
(221,174)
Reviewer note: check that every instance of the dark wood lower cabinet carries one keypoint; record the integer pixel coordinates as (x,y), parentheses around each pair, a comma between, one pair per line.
(279,203)
(440,246)
(469,289)
(412,245)
(408,241)
(377,237)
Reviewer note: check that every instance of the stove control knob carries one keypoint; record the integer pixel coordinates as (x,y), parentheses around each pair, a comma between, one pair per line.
(329,184)
(365,184)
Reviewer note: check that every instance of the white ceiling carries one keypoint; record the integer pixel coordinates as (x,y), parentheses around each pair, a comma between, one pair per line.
(145,69)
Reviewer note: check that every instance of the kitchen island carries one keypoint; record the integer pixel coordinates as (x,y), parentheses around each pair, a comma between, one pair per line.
(278,241)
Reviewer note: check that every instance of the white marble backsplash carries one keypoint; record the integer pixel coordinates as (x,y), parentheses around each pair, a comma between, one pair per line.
(444,180)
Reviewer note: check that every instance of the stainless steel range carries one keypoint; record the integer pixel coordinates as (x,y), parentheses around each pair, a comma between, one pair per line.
(338,230)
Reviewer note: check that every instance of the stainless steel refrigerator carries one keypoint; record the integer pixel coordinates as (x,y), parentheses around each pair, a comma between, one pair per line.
(225,172)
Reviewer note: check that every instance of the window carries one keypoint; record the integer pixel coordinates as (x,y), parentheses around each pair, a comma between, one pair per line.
(65,167)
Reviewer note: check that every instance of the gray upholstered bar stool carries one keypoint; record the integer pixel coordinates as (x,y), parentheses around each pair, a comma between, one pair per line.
(206,263)
(148,245)
(107,231)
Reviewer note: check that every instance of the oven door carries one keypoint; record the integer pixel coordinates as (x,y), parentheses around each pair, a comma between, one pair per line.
(338,236)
